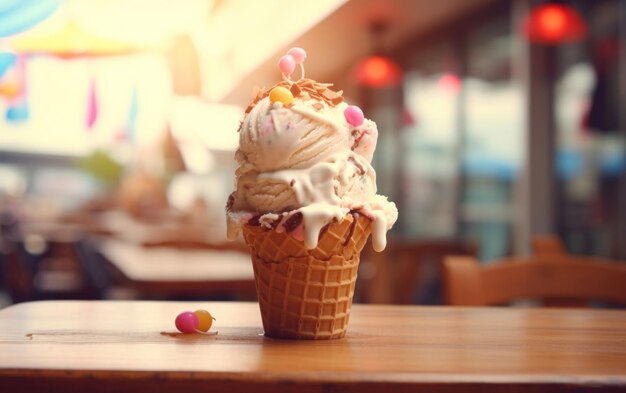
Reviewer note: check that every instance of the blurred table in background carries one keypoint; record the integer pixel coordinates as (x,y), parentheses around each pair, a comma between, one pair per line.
(164,272)
(163,227)
(163,257)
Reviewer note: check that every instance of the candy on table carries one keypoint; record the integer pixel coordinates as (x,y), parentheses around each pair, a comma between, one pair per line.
(199,321)
(205,320)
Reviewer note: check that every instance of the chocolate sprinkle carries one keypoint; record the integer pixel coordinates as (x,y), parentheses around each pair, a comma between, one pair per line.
(292,222)
(356,164)
(254,221)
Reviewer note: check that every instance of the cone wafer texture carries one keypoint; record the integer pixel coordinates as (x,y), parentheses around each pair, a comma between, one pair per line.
(307,293)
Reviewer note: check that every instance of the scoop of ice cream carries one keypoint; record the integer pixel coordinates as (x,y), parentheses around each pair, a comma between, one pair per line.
(302,156)
(274,138)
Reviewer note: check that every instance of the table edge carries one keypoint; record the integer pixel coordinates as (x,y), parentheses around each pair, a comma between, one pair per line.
(339,377)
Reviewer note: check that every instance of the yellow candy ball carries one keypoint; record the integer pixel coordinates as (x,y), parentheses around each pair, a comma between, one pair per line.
(205,320)
(281,94)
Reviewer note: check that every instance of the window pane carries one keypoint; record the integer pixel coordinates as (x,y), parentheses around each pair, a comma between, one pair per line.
(493,136)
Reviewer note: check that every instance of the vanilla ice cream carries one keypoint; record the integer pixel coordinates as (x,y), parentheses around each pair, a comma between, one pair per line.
(302,165)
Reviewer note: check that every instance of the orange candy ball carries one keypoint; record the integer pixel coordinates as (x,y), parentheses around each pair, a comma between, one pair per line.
(281,94)
(205,320)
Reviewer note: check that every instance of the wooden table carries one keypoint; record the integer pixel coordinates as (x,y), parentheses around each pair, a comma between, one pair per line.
(168,271)
(72,346)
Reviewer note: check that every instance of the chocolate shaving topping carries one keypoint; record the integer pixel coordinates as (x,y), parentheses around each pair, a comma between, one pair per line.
(316,90)
(292,222)
(333,97)
(295,90)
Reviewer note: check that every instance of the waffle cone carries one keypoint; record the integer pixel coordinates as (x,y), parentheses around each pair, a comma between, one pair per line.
(302,293)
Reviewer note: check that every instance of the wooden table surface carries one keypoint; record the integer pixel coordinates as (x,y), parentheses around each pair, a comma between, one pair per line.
(74,346)
(171,271)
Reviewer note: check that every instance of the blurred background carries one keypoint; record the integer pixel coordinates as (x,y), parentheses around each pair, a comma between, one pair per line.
(500,121)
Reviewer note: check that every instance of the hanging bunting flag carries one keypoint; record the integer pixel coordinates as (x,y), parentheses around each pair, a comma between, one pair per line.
(17,112)
(16,92)
(131,122)
(6,61)
(92,105)
(13,83)
(10,86)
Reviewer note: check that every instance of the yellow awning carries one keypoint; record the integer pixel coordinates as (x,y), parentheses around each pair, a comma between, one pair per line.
(70,42)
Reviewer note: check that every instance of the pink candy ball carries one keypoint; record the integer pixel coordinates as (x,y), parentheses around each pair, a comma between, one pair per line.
(354,115)
(187,322)
(298,54)
(287,64)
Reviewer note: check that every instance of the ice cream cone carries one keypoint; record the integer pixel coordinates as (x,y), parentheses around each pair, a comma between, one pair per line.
(307,294)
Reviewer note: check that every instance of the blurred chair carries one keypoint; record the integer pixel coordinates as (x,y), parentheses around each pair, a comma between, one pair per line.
(548,245)
(103,281)
(407,272)
(38,269)
(558,281)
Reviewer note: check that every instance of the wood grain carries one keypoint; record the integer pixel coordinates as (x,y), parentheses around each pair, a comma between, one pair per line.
(118,346)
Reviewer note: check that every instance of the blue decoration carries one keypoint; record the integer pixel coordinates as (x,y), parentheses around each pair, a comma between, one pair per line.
(18,112)
(6,61)
(20,15)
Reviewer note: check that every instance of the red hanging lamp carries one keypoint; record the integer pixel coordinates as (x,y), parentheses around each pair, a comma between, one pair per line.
(377,71)
(554,24)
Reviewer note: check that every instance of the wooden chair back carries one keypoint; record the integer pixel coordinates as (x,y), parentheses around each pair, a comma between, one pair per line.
(537,277)
(548,245)
(405,266)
